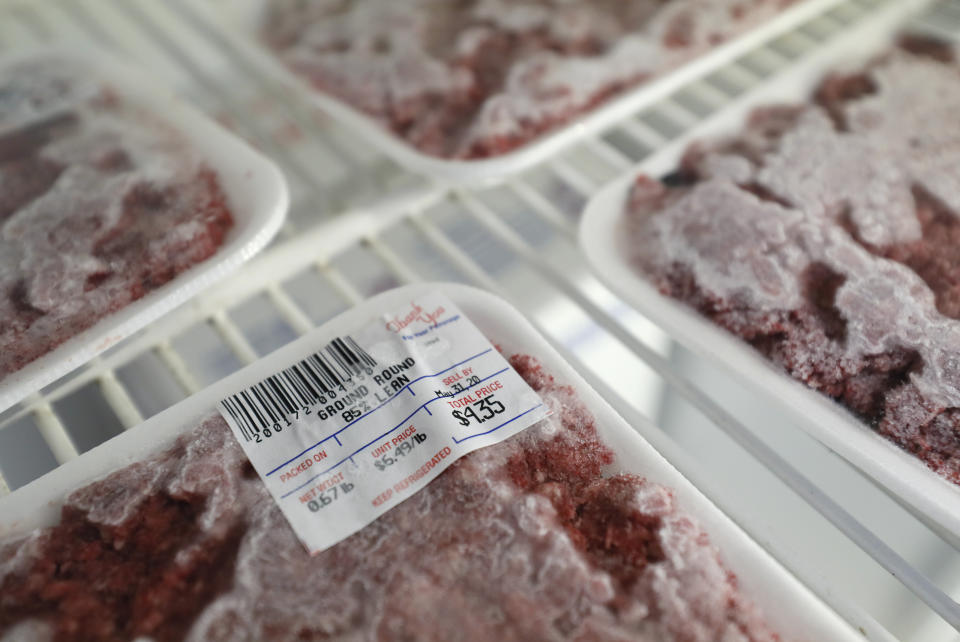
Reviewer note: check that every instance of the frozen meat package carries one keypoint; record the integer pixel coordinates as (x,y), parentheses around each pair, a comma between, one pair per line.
(117,203)
(422,467)
(811,246)
(477,90)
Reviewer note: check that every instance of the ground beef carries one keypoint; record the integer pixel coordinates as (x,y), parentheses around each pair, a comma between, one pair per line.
(100,203)
(478,78)
(827,235)
(524,540)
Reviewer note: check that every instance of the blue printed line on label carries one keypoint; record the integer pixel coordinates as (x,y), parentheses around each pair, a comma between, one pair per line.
(398,426)
(509,421)
(370,412)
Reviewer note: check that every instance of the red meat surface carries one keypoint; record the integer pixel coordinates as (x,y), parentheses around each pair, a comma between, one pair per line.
(478,78)
(827,236)
(100,203)
(524,540)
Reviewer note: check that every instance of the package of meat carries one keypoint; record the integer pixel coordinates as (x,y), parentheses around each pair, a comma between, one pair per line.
(419,80)
(118,203)
(572,527)
(885,407)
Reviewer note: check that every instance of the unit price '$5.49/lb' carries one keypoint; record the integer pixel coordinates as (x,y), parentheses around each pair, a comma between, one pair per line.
(386,461)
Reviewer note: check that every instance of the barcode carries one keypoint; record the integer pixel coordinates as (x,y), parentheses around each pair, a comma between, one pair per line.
(263,408)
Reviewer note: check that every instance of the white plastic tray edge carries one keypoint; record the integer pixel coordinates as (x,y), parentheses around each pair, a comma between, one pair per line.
(253,185)
(607,115)
(929,495)
(790,606)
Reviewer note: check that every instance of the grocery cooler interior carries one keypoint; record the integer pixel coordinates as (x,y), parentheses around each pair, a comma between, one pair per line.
(365,219)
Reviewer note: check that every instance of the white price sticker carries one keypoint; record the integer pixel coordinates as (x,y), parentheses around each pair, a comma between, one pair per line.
(367,420)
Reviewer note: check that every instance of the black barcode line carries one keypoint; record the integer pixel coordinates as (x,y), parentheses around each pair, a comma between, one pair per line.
(306,395)
(327,372)
(246,414)
(268,413)
(273,406)
(337,353)
(229,405)
(293,386)
(241,415)
(253,408)
(297,394)
(267,403)
(364,356)
(339,366)
(314,394)
(314,377)
(280,393)
(282,396)
(347,355)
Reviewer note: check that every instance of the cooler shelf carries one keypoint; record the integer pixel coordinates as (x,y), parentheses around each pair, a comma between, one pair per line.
(360,224)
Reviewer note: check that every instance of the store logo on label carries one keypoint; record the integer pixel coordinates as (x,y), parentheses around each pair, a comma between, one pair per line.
(416,313)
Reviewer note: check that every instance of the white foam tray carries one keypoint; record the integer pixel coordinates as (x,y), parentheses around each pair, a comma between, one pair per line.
(791,608)
(256,194)
(906,479)
(474,172)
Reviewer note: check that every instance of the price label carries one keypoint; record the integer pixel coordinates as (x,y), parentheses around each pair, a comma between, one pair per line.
(364,421)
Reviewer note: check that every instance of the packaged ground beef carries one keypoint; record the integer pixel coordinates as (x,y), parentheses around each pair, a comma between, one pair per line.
(117,202)
(825,236)
(101,202)
(570,529)
(479,78)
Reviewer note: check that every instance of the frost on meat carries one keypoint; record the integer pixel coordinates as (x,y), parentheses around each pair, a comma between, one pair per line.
(100,203)
(827,236)
(524,540)
(477,78)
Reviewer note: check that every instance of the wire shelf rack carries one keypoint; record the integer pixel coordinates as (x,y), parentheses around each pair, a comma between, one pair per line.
(360,224)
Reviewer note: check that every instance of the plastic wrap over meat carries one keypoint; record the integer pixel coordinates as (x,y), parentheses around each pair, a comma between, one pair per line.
(529,539)
(100,203)
(827,236)
(478,78)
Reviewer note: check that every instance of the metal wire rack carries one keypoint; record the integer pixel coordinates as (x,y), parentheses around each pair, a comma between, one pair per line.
(361,224)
